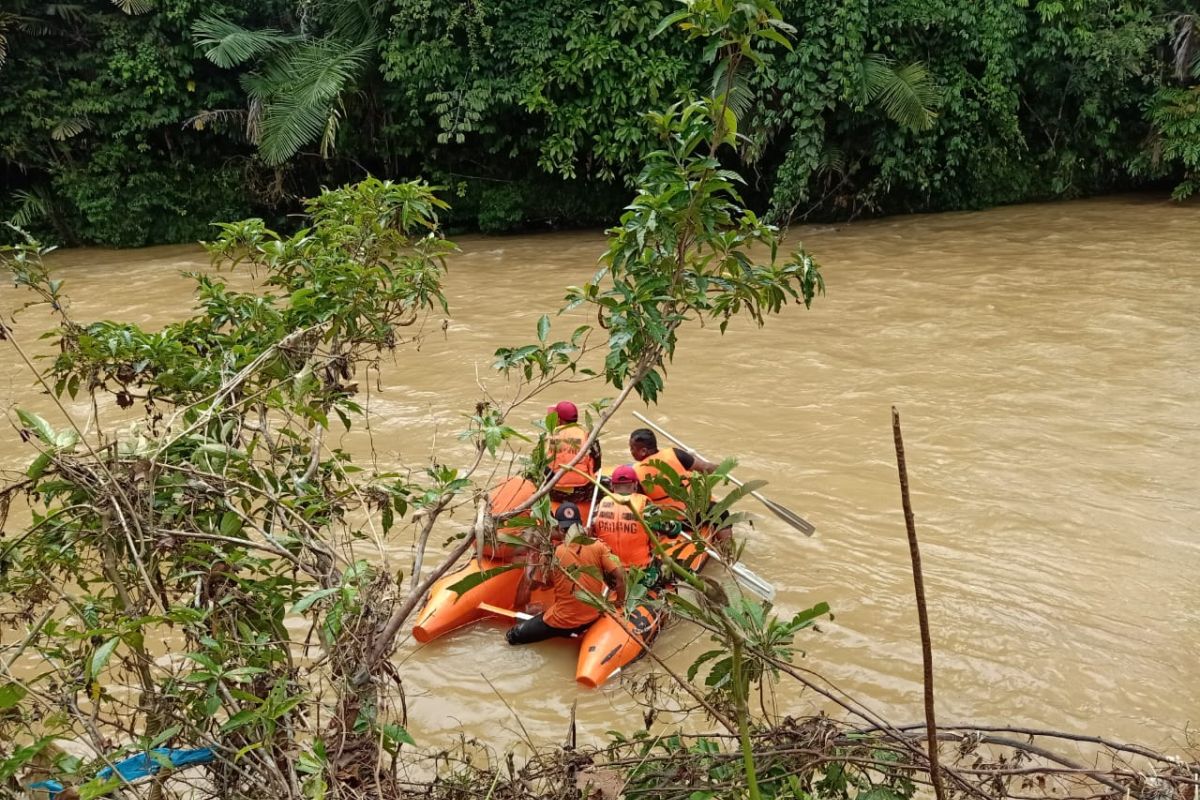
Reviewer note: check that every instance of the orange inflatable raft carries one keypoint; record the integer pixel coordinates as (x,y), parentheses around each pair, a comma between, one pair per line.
(604,648)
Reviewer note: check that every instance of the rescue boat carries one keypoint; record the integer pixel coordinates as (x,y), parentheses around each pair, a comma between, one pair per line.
(445,610)
(605,648)
(614,641)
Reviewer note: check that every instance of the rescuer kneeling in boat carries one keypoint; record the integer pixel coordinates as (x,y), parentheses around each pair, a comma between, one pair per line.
(627,523)
(578,563)
(643,446)
(562,445)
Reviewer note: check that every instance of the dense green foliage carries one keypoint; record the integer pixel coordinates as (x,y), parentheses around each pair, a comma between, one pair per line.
(92,105)
(128,128)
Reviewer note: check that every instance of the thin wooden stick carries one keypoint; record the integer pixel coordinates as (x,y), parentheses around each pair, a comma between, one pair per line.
(922,614)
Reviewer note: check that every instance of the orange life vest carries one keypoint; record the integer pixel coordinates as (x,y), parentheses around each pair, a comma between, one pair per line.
(562,446)
(620,527)
(576,566)
(505,497)
(647,469)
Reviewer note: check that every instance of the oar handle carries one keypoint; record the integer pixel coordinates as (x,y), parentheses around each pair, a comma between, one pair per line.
(504,612)
(592,508)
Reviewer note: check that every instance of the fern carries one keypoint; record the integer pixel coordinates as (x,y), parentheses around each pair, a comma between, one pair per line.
(832,162)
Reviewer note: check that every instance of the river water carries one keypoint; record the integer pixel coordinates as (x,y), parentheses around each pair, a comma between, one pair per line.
(1046,363)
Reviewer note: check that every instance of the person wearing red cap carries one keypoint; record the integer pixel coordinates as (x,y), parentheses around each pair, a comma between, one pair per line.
(620,520)
(578,563)
(566,438)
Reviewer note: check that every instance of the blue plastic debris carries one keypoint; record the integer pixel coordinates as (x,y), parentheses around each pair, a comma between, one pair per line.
(142,765)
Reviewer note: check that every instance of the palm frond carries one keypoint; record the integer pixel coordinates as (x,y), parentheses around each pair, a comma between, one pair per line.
(228,44)
(741,91)
(353,20)
(1184,46)
(32,207)
(832,161)
(221,119)
(69,128)
(134,7)
(329,137)
(254,115)
(298,92)
(873,72)
(906,94)
(10,21)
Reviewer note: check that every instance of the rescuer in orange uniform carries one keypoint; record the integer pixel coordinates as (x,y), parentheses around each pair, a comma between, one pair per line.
(578,564)
(622,525)
(562,445)
(643,446)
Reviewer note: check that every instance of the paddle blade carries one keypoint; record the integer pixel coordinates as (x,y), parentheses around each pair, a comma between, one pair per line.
(795,520)
(763,588)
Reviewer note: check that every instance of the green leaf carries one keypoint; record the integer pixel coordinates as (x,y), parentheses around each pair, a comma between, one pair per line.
(694,669)
(38,425)
(231,523)
(11,694)
(475,578)
(101,656)
(241,674)
(65,438)
(38,467)
(543,327)
(227,44)
(247,749)
(306,602)
(775,36)
(396,735)
(808,615)
(670,20)
(163,736)
(240,719)
(204,660)
(880,793)
(21,756)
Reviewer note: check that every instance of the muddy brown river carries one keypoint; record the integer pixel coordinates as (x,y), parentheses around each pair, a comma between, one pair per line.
(1046,363)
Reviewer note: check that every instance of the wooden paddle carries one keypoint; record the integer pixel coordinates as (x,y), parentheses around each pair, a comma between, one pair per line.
(785,514)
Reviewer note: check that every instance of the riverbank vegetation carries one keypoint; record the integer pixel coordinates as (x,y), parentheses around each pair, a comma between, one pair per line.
(198,565)
(130,123)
